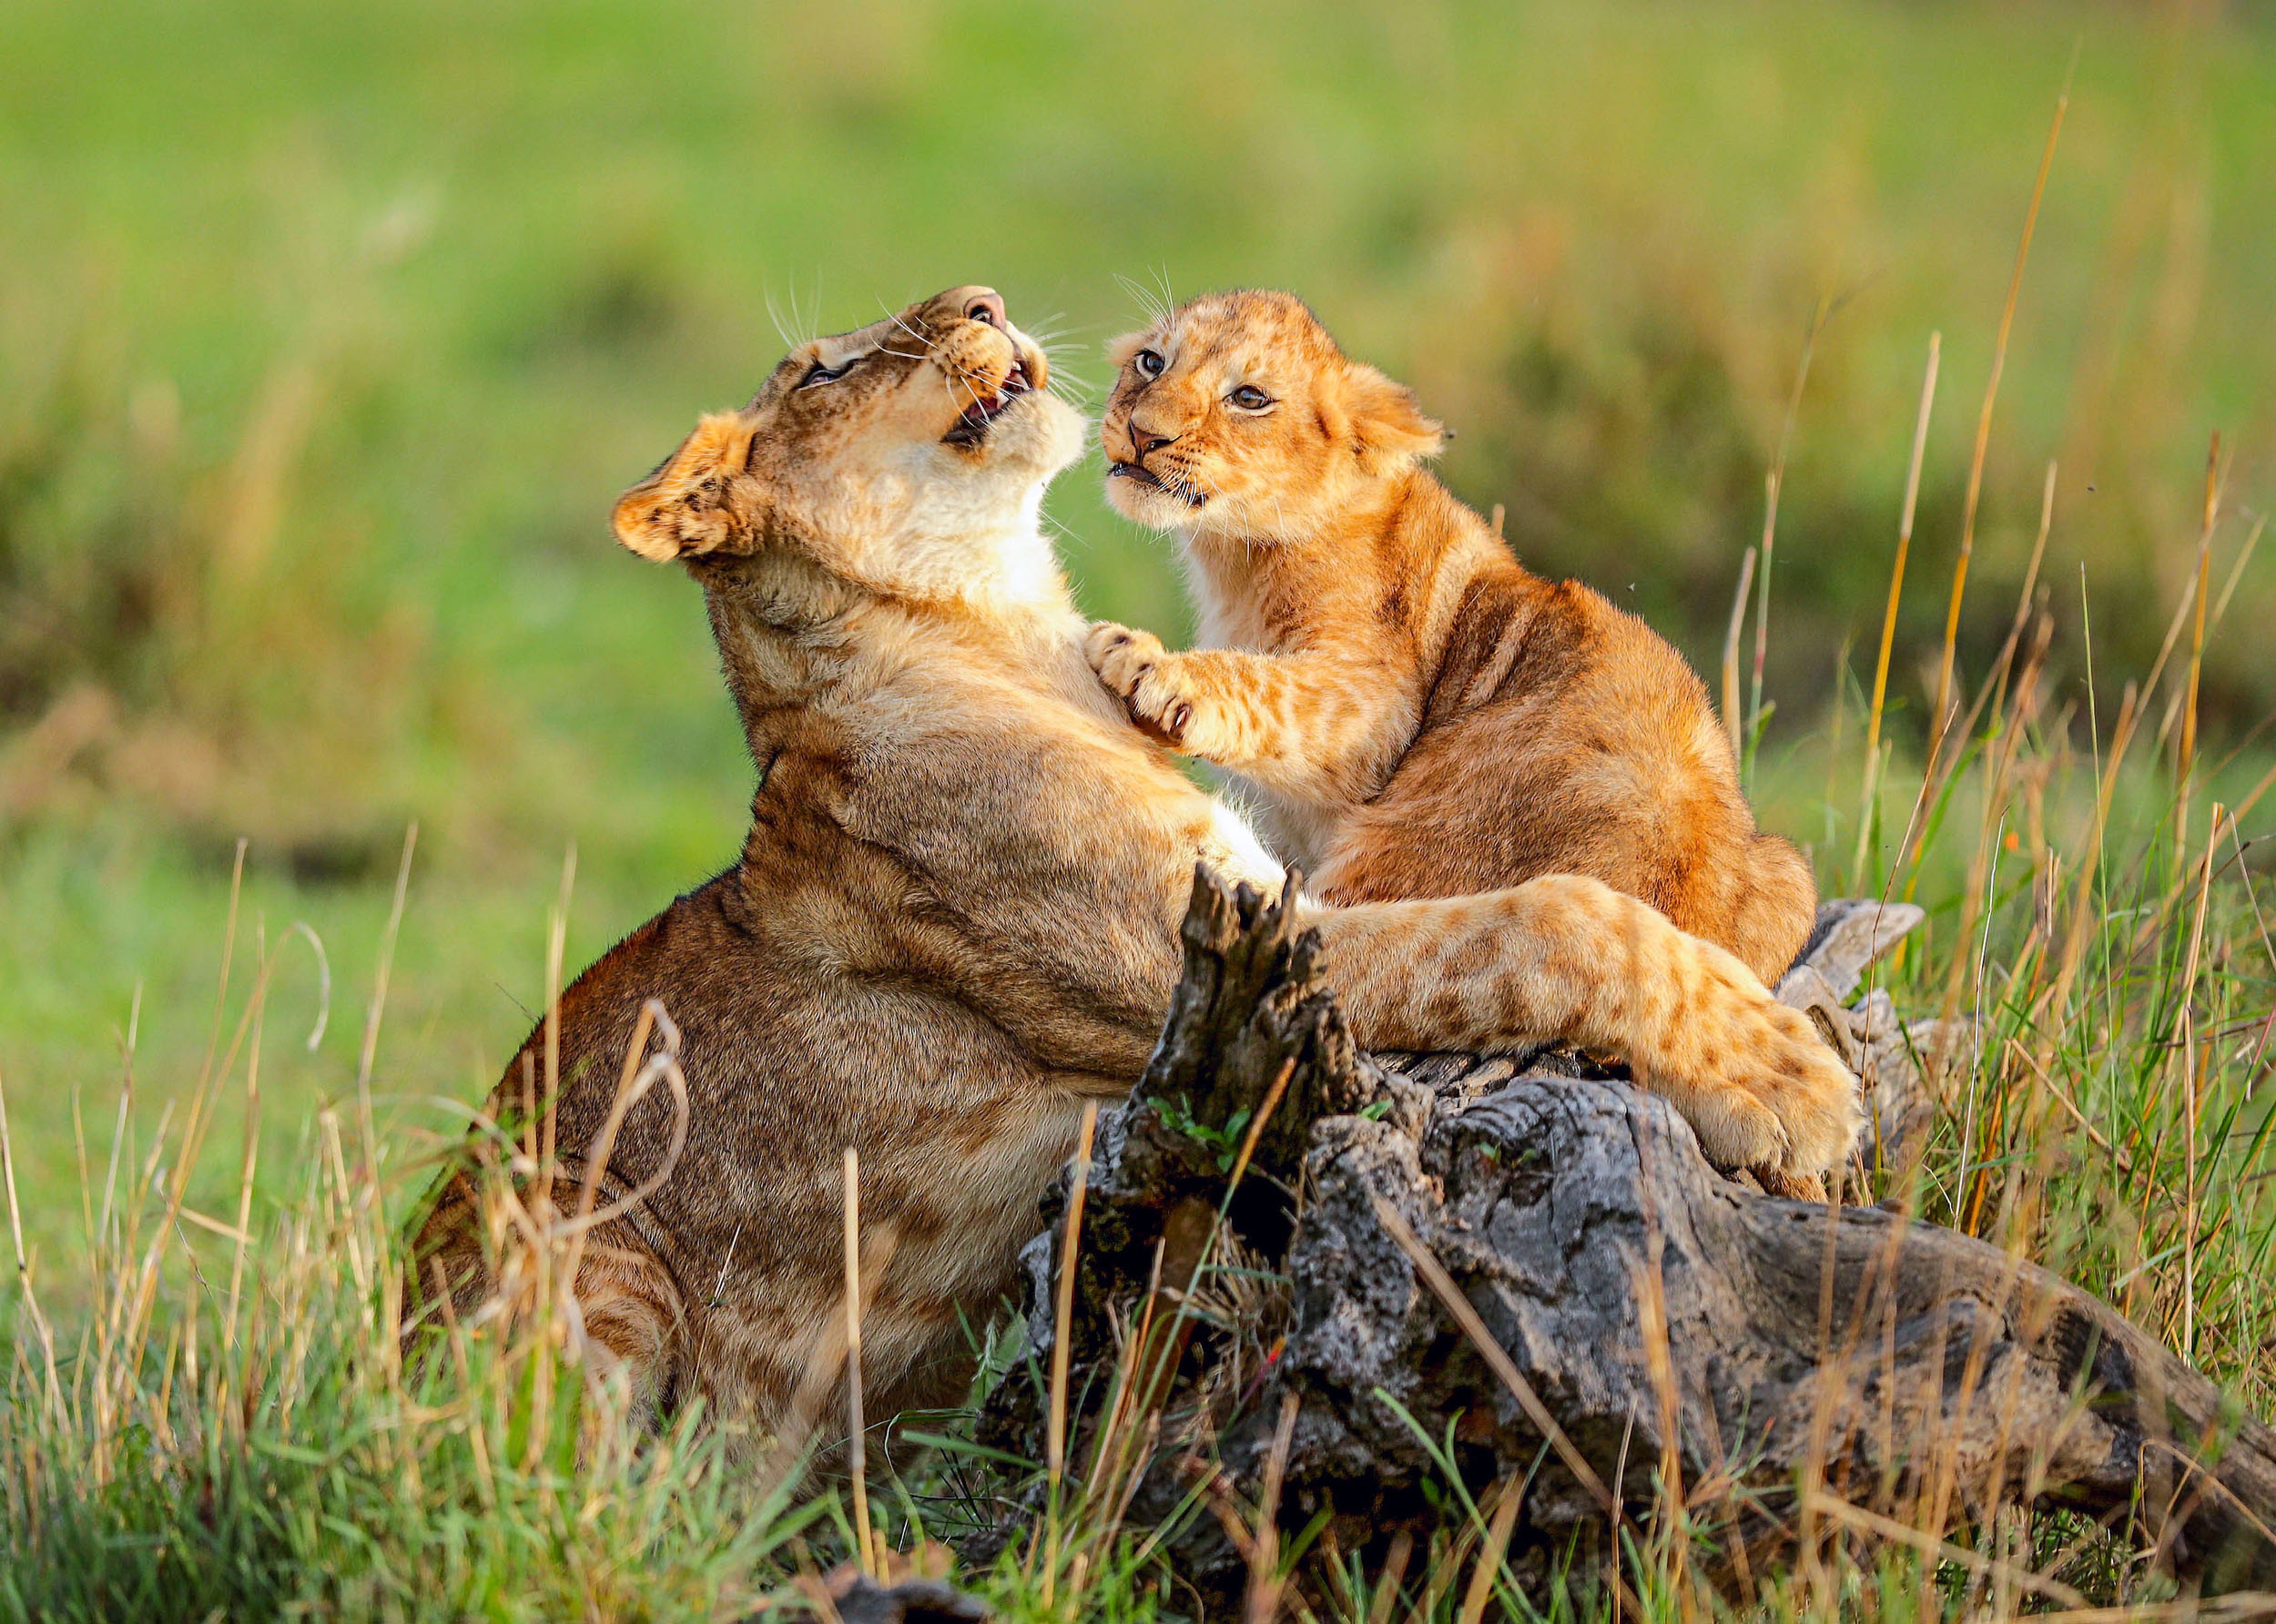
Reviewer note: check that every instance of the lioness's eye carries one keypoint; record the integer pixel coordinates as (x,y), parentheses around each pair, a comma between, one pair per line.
(819,373)
(1249,398)
(1149,363)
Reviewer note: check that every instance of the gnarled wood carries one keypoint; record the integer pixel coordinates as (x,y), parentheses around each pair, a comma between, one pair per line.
(1814,1360)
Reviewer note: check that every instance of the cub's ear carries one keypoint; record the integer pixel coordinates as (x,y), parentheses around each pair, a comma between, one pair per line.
(1385,419)
(686,507)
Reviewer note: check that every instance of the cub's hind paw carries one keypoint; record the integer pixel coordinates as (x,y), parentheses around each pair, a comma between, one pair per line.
(1808,1187)
(1814,1094)
(1763,1091)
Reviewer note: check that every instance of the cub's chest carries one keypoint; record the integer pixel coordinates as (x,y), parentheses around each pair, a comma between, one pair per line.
(1240,622)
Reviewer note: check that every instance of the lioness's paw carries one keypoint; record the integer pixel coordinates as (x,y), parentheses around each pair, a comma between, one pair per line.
(1137,670)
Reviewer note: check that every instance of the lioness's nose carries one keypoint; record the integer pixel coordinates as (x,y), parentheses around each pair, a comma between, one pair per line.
(1147,442)
(986,304)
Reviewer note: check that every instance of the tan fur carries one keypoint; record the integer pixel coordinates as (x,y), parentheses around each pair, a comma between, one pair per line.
(955,918)
(1424,717)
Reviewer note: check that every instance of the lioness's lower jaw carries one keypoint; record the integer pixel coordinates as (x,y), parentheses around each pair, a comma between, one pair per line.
(1033,429)
(972,427)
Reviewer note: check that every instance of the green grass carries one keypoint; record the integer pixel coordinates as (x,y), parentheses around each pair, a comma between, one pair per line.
(327,335)
(195,1425)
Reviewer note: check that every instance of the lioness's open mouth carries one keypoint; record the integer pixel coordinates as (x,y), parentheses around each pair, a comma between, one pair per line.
(971,428)
(1138,473)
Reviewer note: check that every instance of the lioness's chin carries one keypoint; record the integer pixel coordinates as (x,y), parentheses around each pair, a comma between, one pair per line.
(1039,434)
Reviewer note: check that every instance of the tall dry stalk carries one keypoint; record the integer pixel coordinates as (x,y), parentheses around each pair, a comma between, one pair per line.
(1773,482)
(857,1431)
(2190,1071)
(1869,817)
(2187,757)
(1733,717)
(1937,715)
(1063,1324)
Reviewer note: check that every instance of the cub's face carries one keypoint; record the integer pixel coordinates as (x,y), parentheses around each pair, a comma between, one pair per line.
(882,452)
(1238,415)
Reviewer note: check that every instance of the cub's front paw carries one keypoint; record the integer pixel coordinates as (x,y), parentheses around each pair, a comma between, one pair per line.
(1138,671)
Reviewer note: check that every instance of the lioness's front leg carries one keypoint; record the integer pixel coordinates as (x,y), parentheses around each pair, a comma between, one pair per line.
(1568,958)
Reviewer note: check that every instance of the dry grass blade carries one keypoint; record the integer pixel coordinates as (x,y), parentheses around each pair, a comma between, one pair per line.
(2188,757)
(1733,717)
(368,1052)
(1884,1527)
(1896,594)
(1984,423)
(252,1155)
(1773,482)
(1489,1567)
(1394,1574)
(2217,1610)
(857,1433)
(1266,1581)
(1063,1308)
(2236,571)
(1055,1461)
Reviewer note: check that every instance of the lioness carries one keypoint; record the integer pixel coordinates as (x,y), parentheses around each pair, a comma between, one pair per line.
(955,918)
(1422,715)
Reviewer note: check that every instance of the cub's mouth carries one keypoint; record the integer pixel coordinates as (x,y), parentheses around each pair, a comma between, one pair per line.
(1139,474)
(972,427)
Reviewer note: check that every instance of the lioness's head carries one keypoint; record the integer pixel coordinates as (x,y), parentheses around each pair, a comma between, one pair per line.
(910,456)
(1237,413)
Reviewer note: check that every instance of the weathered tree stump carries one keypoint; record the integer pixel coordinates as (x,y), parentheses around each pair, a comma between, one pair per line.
(1827,1370)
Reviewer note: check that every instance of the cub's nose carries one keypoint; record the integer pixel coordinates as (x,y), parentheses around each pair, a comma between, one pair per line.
(1147,442)
(985,304)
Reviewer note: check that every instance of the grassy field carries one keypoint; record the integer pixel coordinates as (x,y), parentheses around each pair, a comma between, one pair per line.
(327,336)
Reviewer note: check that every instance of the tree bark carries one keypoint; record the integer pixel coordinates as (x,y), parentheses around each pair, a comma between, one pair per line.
(1800,1372)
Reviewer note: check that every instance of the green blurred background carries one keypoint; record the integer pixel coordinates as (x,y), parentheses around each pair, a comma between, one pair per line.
(328,333)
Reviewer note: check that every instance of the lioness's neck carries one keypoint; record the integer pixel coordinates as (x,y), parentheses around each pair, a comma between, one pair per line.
(791,630)
(994,563)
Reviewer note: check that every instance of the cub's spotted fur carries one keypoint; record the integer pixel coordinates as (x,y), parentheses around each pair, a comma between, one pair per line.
(1422,717)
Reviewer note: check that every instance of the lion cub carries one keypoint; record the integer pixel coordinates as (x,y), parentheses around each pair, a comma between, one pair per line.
(1422,717)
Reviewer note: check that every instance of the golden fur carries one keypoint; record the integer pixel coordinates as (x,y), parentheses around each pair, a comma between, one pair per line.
(955,919)
(1422,717)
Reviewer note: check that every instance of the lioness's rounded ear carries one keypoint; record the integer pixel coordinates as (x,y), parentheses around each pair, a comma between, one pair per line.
(688,506)
(1385,419)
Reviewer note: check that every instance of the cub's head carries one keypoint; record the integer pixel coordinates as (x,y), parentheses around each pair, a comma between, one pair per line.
(909,455)
(1237,413)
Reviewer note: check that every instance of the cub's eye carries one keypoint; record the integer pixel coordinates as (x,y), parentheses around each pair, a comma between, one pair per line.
(1249,398)
(819,373)
(1150,363)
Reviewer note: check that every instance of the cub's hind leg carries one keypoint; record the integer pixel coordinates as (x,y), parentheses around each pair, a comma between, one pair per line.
(1568,957)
